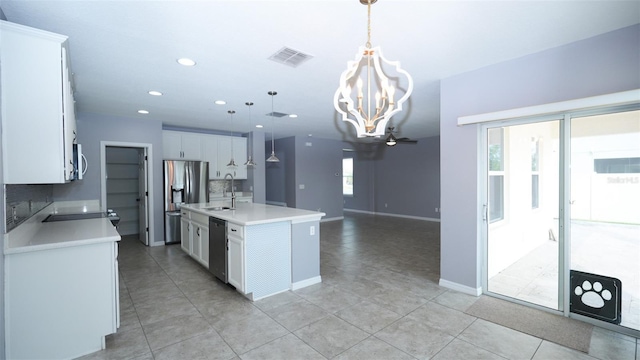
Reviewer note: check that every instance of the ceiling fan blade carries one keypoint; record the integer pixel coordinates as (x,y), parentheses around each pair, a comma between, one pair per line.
(406,140)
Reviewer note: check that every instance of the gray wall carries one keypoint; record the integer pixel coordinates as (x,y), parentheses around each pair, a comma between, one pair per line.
(256,175)
(313,166)
(305,251)
(319,168)
(94,128)
(405,177)
(2,230)
(603,64)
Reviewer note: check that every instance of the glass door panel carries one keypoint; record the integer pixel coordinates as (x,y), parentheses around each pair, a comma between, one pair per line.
(523,201)
(605,217)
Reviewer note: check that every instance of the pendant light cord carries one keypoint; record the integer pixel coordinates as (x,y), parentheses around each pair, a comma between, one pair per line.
(368,25)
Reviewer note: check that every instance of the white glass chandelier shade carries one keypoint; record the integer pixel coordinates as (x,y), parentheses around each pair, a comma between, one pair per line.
(273,158)
(366,97)
(363,79)
(250,161)
(232,163)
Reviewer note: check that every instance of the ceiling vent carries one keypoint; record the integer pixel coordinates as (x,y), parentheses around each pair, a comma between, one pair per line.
(290,57)
(276,114)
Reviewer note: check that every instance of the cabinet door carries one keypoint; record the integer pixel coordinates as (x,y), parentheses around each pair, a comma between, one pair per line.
(191,146)
(171,145)
(235,249)
(204,245)
(195,240)
(185,235)
(240,154)
(224,156)
(210,155)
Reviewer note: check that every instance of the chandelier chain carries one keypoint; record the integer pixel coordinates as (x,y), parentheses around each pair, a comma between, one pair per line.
(368,24)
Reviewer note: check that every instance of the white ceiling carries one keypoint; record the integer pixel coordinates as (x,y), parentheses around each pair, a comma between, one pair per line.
(122,49)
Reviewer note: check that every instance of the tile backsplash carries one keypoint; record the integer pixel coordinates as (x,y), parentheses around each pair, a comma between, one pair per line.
(216,186)
(23,201)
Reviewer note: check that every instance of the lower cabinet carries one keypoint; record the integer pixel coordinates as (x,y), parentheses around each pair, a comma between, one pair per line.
(195,236)
(60,303)
(185,233)
(236,262)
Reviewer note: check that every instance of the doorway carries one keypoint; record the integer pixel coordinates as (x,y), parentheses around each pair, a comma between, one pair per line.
(562,216)
(125,185)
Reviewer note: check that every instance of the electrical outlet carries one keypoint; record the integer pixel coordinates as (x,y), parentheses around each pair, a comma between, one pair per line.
(385,205)
(312,230)
(437,210)
(301,186)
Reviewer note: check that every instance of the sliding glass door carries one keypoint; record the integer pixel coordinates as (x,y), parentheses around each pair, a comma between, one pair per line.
(522,212)
(562,217)
(605,217)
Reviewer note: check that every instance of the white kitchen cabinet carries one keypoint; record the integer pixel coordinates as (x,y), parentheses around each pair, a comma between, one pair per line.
(185,233)
(218,161)
(235,253)
(178,145)
(60,302)
(195,236)
(210,154)
(38,117)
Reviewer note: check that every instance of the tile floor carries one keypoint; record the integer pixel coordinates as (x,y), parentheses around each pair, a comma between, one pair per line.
(379,299)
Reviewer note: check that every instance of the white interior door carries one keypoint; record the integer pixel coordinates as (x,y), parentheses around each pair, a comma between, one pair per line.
(143,197)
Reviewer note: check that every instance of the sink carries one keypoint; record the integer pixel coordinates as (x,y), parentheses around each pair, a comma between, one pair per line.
(219,208)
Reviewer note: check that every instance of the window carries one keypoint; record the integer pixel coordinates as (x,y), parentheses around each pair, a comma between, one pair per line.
(617,166)
(347,176)
(535,173)
(496,174)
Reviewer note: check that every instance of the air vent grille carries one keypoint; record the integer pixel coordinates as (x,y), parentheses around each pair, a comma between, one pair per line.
(277,114)
(290,57)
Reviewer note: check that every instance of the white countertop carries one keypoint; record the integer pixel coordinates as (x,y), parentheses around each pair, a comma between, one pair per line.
(254,214)
(34,235)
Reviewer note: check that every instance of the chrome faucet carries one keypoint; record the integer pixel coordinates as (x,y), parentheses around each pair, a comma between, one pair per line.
(233,192)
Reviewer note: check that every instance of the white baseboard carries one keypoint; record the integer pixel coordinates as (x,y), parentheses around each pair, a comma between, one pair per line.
(461,288)
(276,203)
(393,215)
(305,283)
(333,219)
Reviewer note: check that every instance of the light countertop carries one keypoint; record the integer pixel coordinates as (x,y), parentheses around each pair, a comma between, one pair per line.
(254,214)
(34,235)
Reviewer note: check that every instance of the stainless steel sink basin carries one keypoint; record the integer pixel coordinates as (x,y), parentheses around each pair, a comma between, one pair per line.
(219,208)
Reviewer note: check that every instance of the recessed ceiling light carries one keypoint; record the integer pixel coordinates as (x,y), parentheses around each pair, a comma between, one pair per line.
(259,126)
(143,112)
(219,102)
(186,62)
(293,115)
(155,93)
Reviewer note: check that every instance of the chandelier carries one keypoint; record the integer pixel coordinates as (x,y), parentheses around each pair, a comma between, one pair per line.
(370,115)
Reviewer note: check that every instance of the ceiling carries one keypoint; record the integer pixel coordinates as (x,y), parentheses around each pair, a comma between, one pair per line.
(120,50)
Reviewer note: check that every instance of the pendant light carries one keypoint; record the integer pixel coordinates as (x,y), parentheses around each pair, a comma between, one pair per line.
(250,161)
(273,157)
(232,163)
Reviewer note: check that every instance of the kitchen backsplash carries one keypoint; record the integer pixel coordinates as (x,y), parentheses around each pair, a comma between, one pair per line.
(23,201)
(216,186)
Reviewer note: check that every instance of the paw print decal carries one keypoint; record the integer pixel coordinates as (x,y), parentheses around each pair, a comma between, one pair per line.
(592,295)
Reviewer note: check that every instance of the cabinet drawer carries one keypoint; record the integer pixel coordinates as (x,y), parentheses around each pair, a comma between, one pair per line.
(235,230)
(186,214)
(202,219)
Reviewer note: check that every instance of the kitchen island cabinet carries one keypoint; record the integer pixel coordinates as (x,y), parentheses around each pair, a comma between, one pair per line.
(270,249)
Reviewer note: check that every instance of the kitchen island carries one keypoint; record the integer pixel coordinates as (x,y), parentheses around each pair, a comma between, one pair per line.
(271,249)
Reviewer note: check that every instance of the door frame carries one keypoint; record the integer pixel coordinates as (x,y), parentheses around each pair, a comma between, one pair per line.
(148,148)
(565,111)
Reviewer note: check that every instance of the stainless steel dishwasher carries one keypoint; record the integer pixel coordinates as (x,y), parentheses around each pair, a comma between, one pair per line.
(218,248)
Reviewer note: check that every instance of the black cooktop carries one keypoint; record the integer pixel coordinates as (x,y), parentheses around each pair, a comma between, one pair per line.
(65,217)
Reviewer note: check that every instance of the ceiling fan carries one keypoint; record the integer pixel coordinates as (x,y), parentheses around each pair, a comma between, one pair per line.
(392,140)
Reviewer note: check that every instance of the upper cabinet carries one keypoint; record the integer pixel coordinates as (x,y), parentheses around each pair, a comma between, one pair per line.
(38,117)
(177,145)
(214,149)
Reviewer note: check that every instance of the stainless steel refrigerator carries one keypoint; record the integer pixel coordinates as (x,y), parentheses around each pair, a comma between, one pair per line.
(185,182)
